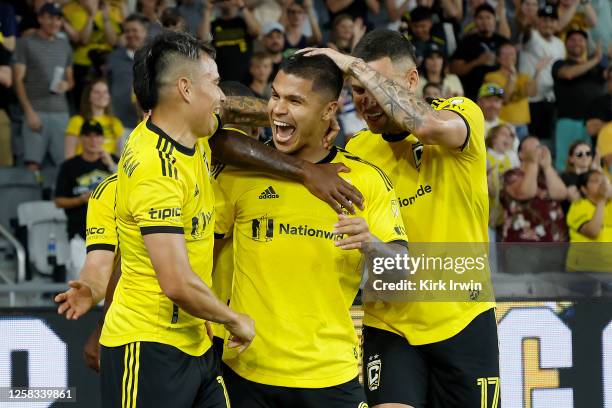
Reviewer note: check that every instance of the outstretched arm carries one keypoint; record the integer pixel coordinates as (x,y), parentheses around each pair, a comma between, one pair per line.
(245,110)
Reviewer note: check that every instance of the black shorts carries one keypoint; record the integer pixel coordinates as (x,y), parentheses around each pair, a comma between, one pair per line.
(152,375)
(248,394)
(461,372)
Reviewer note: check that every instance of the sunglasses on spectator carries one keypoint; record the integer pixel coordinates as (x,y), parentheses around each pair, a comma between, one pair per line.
(580,154)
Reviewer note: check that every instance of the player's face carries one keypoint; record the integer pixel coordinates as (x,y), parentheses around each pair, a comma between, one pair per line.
(485,23)
(296,114)
(366,104)
(99,96)
(208,97)
(547,26)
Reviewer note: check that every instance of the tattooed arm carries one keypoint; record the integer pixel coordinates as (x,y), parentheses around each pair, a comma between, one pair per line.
(403,106)
(245,110)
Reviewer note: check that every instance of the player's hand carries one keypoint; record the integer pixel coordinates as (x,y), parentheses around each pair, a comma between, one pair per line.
(343,61)
(323,181)
(209,331)
(91,350)
(76,301)
(356,229)
(332,132)
(242,332)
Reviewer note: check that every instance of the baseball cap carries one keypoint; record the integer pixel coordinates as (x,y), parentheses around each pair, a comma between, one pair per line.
(271,26)
(50,8)
(91,127)
(576,30)
(433,48)
(484,7)
(548,10)
(490,89)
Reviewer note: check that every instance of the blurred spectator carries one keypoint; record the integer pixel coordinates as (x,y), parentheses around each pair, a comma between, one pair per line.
(232,36)
(351,122)
(6,80)
(266,10)
(345,33)
(602,32)
(600,111)
(357,9)
(475,55)
(470,26)
(579,160)
(590,216)
(604,147)
(98,24)
(578,82)
(422,32)
(40,85)
(274,43)
(517,88)
(434,71)
(490,99)
(576,15)
(526,19)
(119,71)
(172,20)
(152,10)
(191,12)
(531,197)
(8,26)
(96,106)
(293,19)
(76,179)
(443,11)
(260,70)
(541,43)
(432,91)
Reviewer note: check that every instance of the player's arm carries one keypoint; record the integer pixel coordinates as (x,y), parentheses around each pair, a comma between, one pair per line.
(245,110)
(404,107)
(321,180)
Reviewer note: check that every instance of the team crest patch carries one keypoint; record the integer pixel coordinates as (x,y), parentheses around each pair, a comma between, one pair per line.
(417,153)
(363,405)
(373,369)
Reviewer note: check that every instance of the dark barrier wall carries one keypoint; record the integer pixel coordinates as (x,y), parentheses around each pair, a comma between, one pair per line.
(552,354)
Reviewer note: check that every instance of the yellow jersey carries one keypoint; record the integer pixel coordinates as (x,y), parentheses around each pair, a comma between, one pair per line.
(588,254)
(516,110)
(162,187)
(443,198)
(101,232)
(291,278)
(112,127)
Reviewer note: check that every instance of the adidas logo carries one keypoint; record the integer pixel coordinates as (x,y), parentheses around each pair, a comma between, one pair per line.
(268,193)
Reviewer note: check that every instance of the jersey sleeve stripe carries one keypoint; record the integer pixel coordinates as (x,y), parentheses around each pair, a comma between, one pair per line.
(161,229)
(382,174)
(97,193)
(100,247)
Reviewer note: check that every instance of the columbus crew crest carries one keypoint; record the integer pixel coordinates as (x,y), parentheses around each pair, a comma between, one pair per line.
(417,154)
(373,370)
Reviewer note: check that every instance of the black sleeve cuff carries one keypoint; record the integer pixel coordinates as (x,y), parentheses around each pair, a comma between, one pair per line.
(399,242)
(161,229)
(466,142)
(100,247)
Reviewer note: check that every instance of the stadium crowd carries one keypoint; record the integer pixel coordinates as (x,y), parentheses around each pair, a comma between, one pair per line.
(539,71)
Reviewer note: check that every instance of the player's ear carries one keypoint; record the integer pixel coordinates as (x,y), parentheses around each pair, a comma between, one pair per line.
(185,89)
(412,78)
(330,110)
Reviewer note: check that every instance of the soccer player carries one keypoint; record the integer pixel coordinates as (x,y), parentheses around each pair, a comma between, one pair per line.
(155,350)
(296,266)
(417,354)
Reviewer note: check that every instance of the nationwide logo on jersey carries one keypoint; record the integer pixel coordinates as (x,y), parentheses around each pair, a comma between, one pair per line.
(262,229)
(268,193)
(199,223)
(373,370)
(417,154)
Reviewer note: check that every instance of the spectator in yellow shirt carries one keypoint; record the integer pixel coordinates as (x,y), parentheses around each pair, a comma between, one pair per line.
(604,147)
(95,105)
(518,87)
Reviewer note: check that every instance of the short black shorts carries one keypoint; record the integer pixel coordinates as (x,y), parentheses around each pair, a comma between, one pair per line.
(461,372)
(152,375)
(248,394)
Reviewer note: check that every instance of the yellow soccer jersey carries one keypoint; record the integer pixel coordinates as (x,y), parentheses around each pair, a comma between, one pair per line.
(101,232)
(291,278)
(586,254)
(443,197)
(162,187)
(580,213)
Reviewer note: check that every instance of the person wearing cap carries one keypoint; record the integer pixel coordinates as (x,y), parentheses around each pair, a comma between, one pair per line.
(475,54)
(422,32)
(578,81)
(540,43)
(491,99)
(76,179)
(433,70)
(273,40)
(232,35)
(41,85)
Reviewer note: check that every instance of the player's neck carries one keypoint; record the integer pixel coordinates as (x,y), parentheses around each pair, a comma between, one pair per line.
(174,126)
(313,154)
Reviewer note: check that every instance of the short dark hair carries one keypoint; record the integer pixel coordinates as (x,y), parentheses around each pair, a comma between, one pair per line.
(320,69)
(583,179)
(235,88)
(420,13)
(484,7)
(156,56)
(138,18)
(381,43)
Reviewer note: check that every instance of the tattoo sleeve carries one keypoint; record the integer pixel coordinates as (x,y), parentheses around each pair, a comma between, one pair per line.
(402,105)
(245,110)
